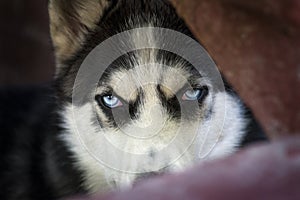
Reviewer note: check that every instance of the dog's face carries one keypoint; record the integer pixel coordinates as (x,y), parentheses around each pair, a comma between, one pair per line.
(143,105)
(151,111)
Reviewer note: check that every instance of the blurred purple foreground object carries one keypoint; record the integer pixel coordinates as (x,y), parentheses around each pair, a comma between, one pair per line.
(261,172)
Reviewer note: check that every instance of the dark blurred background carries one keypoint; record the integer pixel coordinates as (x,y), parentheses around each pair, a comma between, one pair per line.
(26,55)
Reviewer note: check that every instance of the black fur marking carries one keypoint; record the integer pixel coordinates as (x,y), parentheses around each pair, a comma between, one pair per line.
(122,115)
(254,131)
(34,163)
(134,106)
(172,105)
(117,116)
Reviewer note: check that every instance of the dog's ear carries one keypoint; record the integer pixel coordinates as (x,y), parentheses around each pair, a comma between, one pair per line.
(70,21)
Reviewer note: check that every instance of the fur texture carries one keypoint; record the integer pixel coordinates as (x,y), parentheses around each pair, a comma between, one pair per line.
(42,156)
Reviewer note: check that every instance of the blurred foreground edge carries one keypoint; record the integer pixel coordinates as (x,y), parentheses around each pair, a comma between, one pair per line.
(261,172)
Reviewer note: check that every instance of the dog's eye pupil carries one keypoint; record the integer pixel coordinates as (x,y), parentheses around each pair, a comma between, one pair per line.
(111,101)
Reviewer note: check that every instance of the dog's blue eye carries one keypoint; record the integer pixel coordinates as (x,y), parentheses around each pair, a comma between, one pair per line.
(111,101)
(192,95)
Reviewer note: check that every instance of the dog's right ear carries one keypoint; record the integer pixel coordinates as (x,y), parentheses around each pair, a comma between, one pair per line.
(70,21)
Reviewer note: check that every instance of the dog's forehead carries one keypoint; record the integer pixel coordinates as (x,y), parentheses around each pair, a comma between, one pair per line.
(127,82)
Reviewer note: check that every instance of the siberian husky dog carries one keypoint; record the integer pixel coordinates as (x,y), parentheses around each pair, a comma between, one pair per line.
(150,112)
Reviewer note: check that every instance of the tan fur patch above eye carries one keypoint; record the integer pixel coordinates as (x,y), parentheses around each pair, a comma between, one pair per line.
(173,80)
(69,21)
(167,92)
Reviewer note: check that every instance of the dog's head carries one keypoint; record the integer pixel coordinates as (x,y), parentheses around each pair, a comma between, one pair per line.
(151,111)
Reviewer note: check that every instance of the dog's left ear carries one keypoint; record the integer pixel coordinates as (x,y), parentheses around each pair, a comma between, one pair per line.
(70,21)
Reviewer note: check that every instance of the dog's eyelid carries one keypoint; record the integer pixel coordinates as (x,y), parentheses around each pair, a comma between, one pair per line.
(192,85)
(111,93)
(103,89)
